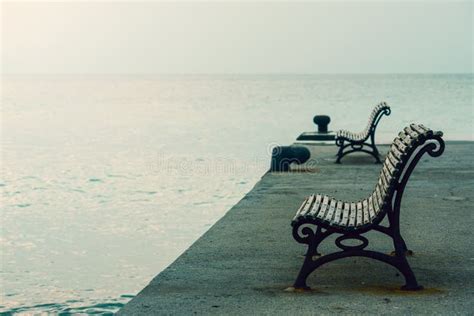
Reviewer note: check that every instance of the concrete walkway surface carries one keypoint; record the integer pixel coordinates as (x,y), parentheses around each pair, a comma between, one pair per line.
(244,263)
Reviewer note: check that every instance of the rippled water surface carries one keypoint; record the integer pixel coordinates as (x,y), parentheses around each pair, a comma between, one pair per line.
(106,180)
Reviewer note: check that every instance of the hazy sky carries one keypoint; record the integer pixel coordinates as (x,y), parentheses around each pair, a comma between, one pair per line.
(237,37)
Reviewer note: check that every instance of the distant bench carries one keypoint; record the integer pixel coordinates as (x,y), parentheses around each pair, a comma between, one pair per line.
(357,141)
(321,215)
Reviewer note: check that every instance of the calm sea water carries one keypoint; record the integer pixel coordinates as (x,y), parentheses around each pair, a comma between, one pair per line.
(106,180)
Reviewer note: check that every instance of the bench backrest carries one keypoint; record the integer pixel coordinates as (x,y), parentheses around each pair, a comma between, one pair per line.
(374,118)
(405,152)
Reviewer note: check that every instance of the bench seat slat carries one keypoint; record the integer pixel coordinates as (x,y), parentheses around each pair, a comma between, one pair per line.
(371,209)
(375,203)
(377,194)
(317,204)
(422,130)
(307,207)
(298,212)
(391,168)
(381,199)
(324,206)
(411,132)
(395,162)
(338,214)
(426,129)
(330,212)
(345,214)
(382,183)
(387,177)
(365,208)
(400,145)
(406,139)
(352,215)
(360,214)
(394,150)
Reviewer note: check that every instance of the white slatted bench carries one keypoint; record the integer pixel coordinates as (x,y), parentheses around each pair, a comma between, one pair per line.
(321,215)
(349,142)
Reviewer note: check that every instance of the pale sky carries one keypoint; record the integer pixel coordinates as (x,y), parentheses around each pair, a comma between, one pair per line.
(237,37)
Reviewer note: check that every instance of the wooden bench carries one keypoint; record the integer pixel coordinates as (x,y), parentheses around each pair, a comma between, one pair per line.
(321,215)
(349,142)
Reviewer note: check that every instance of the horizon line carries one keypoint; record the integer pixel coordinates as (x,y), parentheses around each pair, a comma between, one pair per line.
(235,74)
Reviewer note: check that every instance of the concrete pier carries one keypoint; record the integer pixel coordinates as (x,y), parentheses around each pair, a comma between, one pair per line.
(244,263)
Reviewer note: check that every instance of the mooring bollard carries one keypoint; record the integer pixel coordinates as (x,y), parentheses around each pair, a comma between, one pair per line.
(283,156)
(322,121)
(322,134)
